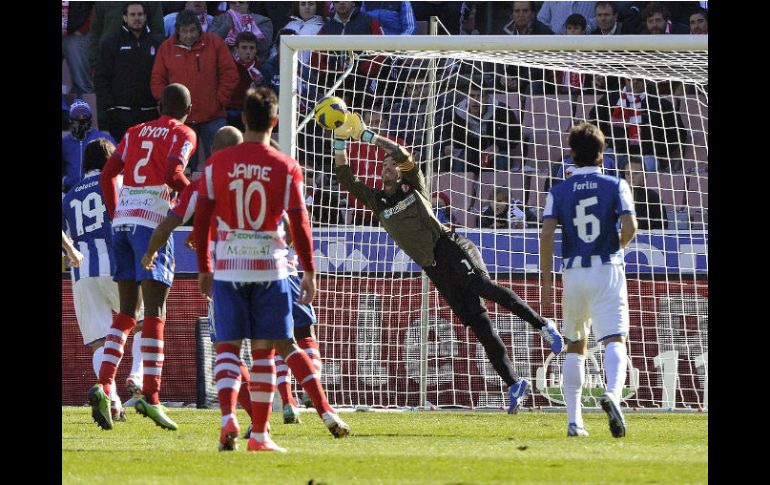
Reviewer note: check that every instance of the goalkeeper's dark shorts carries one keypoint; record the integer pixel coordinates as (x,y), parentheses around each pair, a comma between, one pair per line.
(458,263)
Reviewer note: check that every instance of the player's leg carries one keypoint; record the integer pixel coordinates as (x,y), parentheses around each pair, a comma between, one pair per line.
(227,373)
(275,322)
(306,340)
(115,338)
(466,260)
(135,376)
(576,299)
(573,377)
(156,284)
(611,324)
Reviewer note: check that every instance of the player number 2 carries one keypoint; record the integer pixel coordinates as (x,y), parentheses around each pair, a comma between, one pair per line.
(146,145)
(583,220)
(242,200)
(92,208)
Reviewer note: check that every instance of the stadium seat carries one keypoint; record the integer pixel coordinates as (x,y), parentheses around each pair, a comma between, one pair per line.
(421,27)
(671,187)
(514,181)
(538,193)
(585,103)
(695,113)
(461,188)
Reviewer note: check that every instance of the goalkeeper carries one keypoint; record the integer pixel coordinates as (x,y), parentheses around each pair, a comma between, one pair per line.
(451,261)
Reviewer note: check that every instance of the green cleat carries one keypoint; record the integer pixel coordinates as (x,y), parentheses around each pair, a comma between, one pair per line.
(156,412)
(100,406)
(290,415)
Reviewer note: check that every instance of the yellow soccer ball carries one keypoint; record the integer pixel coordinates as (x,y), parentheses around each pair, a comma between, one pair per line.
(331,112)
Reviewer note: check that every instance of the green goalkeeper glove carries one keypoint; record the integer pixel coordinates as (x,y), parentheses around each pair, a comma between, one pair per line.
(354,128)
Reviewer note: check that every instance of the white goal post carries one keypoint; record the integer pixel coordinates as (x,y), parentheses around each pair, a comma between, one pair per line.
(486,117)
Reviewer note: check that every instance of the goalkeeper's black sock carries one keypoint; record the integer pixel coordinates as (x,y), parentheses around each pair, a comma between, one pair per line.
(494,348)
(489,290)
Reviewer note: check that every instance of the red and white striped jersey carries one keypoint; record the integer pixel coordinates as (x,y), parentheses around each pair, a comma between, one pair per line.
(145,151)
(251,184)
(184,206)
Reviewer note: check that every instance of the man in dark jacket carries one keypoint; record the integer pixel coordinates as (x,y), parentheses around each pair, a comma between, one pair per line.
(123,72)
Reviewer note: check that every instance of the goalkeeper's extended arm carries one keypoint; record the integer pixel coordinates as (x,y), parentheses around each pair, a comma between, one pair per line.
(355,128)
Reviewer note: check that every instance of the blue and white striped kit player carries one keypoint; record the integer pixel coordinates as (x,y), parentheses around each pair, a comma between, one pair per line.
(588,206)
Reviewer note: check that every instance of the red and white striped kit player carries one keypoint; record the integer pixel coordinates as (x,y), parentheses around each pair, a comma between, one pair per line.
(247,187)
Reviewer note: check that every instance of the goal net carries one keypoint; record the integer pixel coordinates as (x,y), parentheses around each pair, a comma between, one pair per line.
(487,119)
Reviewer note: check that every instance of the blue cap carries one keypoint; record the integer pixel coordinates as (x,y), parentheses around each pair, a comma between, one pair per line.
(80,109)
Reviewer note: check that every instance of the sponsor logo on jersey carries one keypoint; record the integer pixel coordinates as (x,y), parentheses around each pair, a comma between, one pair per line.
(186,149)
(403,204)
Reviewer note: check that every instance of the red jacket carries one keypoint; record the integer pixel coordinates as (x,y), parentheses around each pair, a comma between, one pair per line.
(207,69)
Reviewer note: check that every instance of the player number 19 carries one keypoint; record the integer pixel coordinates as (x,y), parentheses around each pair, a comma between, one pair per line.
(583,220)
(242,200)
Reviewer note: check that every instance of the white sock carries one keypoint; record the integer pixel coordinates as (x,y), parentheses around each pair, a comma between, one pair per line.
(136,356)
(226,418)
(114,397)
(573,376)
(615,363)
(96,360)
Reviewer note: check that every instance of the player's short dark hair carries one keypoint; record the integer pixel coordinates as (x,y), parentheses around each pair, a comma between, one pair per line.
(175,100)
(261,108)
(185,18)
(587,143)
(245,36)
(655,7)
(576,20)
(128,4)
(96,154)
(607,4)
(532,6)
(320,9)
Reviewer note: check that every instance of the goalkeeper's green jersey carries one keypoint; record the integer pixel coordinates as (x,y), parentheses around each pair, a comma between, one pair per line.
(405,213)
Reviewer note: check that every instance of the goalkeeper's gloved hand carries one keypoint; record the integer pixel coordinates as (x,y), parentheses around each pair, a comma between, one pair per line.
(354,128)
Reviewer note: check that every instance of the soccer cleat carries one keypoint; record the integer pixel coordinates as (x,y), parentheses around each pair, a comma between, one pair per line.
(268,445)
(247,434)
(337,427)
(228,437)
(156,412)
(118,412)
(575,430)
(551,335)
(307,401)
(290,415)
(100,406)
(614,415)
(134,387)
(517,393)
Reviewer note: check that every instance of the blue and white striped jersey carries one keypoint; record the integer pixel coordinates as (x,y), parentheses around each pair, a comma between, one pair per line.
(588,206)
(84,219)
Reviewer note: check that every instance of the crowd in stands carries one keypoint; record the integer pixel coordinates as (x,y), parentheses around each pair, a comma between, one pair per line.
(122,55)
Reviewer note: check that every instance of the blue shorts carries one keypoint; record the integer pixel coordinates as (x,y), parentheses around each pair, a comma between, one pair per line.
(253,310)
(129,243)
(303,314)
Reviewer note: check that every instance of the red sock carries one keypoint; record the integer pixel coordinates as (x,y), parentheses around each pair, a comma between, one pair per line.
(261,387)
(244,398)
(283,381)
(113,349)
(152,357)
(302,367)
(227,374)
(310,347)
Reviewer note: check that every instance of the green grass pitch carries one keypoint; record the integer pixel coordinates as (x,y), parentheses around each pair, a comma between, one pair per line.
(409,447)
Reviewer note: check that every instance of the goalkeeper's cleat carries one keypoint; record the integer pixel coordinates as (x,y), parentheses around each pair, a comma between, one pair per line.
(307,401)
(551,335)
(575,430)
(156,412)
(100,406)
(267,445)
(290,415)
(228,437)
(517,393)
(337,427)
(614,415)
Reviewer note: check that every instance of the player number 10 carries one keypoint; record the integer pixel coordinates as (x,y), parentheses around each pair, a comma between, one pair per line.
(242,200)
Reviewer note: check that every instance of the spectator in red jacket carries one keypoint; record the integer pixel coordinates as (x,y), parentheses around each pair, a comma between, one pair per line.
(202,62)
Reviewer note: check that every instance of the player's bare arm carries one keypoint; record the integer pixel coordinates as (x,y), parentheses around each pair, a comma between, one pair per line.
(160,237)
(74,256)
(546,261)
(628,227)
